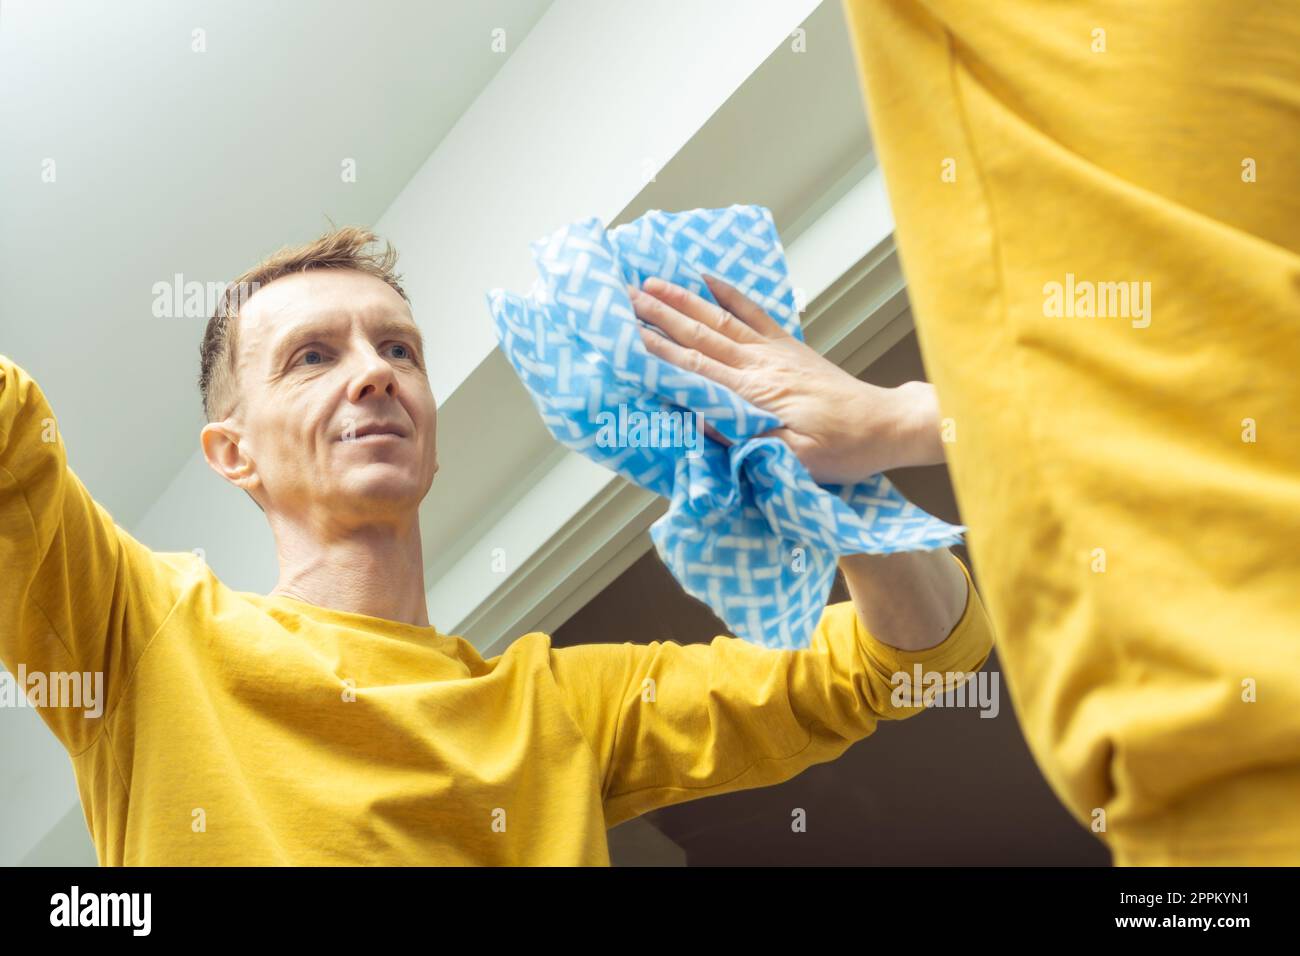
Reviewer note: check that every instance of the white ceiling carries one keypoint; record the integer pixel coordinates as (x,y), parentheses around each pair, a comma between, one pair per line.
(171,161)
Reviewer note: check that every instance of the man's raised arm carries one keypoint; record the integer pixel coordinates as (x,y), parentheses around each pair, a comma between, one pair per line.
(79,598)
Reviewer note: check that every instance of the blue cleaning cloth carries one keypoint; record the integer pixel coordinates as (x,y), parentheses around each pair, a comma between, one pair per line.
(747,530)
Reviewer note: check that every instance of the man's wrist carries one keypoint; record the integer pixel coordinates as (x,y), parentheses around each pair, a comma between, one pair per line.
(916,415)
(893,428)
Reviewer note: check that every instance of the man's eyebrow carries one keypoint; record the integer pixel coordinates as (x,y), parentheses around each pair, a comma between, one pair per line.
(408,329)
(319,328)
(296,333)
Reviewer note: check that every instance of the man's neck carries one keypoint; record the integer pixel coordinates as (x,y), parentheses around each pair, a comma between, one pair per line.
(377,570)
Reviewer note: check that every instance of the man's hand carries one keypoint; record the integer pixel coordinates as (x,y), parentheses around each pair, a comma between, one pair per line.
(842,429)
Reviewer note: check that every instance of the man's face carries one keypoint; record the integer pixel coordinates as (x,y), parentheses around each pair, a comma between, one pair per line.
(335,413)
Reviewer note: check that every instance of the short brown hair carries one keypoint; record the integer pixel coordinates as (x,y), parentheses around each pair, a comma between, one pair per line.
(341,248)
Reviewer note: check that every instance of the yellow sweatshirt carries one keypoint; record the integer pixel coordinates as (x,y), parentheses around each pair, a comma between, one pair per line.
(242,729)
(1098,215)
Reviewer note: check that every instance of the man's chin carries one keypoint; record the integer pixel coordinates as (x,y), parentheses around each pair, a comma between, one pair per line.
(381,488)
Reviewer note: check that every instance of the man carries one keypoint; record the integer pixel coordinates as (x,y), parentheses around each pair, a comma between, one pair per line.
(1098,213)
(328,722)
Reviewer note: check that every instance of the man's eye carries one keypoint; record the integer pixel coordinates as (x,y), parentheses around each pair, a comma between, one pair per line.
(405,353)
(308,356)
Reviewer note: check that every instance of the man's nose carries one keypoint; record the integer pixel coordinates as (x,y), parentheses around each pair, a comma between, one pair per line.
(371,373)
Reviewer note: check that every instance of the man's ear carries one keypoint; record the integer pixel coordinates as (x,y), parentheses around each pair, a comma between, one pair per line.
(220,443)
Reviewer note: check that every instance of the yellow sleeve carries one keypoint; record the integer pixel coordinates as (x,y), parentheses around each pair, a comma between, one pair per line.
(78,595)
(670,723)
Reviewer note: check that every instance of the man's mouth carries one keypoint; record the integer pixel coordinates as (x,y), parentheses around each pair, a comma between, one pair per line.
(375,432)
